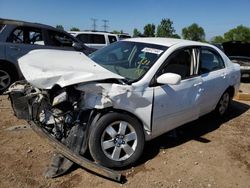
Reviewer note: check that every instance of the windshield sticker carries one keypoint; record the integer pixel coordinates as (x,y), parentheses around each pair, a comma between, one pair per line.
(152,50)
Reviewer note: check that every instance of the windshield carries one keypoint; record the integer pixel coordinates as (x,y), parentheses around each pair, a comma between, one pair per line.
(128,59)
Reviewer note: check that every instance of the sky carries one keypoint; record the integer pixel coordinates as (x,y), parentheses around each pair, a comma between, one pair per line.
(215,16)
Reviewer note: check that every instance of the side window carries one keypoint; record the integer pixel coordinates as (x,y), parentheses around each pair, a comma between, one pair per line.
(35,37)
(209,61)
(97,39)
(180,62)
(17,36)
(26,35)
(92,38)
(84,38)
(112,39)
(60,39)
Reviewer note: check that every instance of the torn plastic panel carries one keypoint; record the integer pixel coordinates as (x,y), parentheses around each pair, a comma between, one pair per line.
(123,97)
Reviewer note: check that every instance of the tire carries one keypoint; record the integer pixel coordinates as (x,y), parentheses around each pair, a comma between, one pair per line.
(223,104)
(6,78)
(116,140)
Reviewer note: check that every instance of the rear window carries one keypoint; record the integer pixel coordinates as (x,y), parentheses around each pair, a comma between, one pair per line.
(92,38)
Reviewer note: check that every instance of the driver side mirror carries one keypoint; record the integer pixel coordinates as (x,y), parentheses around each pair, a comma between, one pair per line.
(169,78)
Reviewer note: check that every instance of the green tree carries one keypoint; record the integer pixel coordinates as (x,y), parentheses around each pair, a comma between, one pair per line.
(193,32)
(149,30)
(218,39)
(74,29)
(59,27)
(116,32)
(240,33)
(165,29)
(136,33)
(176,36)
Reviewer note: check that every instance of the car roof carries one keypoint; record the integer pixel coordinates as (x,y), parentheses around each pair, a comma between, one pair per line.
(91,32)
(24,23)
(165,41)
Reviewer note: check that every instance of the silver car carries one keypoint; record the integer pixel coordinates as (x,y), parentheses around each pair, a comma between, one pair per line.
(17,38)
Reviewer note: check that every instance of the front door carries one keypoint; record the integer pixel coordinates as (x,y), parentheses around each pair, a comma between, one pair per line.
(213,74)
(175,105)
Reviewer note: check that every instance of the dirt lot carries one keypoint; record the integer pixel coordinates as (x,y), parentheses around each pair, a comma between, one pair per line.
(206,153)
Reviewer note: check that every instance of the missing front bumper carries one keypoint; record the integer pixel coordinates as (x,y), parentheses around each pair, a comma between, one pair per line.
(83,162)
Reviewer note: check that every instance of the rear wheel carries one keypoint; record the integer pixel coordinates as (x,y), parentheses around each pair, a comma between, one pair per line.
(117,140)
(6,79)
(223,104)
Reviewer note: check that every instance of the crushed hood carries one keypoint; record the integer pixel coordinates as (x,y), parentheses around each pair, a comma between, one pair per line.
(46,68)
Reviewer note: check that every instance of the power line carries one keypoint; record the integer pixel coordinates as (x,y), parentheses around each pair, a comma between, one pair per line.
(94,20)
(105,25)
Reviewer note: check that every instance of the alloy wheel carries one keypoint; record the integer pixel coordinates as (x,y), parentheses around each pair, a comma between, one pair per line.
(119,141)
(224,102)
(4,80)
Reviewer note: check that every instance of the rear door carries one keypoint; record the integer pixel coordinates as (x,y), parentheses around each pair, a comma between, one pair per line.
(214,77)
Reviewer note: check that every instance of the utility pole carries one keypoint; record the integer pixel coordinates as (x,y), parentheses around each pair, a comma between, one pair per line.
(105,24)
(94,20)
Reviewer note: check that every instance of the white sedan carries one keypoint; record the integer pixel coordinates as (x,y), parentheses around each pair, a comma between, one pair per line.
(131,92)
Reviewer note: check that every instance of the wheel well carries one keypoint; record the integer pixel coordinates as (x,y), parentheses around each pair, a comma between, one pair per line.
(9,65)
(231,91)
(102,112)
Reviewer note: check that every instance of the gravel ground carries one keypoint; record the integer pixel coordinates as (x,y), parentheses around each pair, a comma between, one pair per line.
(208,152)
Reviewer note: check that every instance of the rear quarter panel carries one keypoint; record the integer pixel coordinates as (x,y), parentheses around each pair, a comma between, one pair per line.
(234,76)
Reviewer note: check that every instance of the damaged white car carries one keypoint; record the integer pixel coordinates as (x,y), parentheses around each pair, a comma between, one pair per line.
(123,95)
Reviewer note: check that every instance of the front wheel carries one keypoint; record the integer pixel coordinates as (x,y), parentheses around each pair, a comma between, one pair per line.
(116,140)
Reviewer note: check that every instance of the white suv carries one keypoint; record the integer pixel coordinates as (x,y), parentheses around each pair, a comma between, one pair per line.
(95,39)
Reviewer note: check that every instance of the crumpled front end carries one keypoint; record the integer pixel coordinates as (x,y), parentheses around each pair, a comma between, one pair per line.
(65,101)
(57,113)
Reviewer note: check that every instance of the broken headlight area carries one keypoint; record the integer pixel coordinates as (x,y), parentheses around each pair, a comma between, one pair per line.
(57,112)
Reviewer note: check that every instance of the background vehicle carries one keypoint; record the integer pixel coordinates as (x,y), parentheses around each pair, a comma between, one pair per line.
(238,52)
(95,39)
(127,93)
(124,36)
(18,38)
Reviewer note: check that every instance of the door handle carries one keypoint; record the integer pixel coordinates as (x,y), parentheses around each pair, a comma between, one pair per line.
(15,48)
(197,84)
